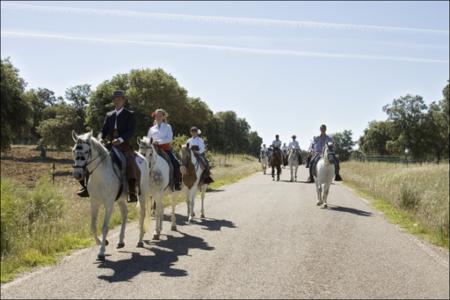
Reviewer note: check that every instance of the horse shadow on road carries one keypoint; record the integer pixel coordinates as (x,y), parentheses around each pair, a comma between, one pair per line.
(206,223)
(163,261)
(350,210)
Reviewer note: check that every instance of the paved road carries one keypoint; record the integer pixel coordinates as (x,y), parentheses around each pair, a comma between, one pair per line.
(261,239)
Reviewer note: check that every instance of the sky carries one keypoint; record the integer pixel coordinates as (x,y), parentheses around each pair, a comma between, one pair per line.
(286,67)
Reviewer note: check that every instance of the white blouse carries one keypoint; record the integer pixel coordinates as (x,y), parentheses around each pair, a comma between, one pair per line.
(162,134)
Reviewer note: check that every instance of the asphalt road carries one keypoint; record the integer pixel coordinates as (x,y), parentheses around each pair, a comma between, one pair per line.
(261,239)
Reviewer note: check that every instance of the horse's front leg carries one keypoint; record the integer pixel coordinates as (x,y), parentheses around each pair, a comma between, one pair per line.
(192,193)
(296,169)
(273,173)
(319,192)
(203,200)
(159,216)
(292,172)
(142,212)
(326,189)
(174,218)
(188,206)
(108,212)
(123,214)
(94,213)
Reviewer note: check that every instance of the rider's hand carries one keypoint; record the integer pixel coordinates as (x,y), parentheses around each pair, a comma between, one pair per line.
(116,142)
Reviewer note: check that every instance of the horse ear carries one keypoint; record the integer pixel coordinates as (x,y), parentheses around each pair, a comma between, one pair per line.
(138,141)
(151,140)
(187,145)
(74,136)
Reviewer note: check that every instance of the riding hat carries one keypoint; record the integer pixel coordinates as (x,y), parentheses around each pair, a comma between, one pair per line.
(118,93)
(293,136)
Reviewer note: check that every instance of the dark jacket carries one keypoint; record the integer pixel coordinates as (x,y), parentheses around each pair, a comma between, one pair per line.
(126,124)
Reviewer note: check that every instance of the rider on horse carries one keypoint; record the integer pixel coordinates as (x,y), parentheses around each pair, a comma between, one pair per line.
(162,136)
(119,127)
(276,143)
(316,149)
(294,145)
(197,145)
(263,150)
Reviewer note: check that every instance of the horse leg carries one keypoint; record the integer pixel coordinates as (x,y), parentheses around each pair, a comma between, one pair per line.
(159,215)
(94,214)
(325,194)
(273,173)
(203,200)
(278,172)
(296,169)
(319,192)
(192,193)
(143,205)
(108,212)
(124,214)
(292,171)
(174,220)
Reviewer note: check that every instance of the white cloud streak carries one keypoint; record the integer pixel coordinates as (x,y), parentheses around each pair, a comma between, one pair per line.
(261,51)
(219,19)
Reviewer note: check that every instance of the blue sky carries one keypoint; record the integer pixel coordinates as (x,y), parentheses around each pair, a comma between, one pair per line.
(287,67)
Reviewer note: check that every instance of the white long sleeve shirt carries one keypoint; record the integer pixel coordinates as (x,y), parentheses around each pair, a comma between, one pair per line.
(276,143)
(197,141)
(294,145)
(162,134)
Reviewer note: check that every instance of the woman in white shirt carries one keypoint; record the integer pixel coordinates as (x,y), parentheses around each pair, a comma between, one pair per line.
(162,135)
(197,145)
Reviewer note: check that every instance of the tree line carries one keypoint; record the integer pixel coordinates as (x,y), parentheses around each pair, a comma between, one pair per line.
(412,126)
(39,116)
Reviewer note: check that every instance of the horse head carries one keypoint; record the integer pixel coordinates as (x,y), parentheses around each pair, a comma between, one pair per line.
(329,152)
(82,152)
(147,149)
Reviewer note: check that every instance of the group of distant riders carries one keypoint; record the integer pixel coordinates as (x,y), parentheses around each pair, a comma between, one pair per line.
(314,152)
(119,128)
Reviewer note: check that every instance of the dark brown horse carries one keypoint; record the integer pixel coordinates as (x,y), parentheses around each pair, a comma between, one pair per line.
(275,162)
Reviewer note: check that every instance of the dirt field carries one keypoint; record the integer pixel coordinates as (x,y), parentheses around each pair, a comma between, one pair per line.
(23,163)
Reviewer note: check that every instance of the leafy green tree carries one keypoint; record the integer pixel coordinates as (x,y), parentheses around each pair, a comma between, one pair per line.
(56,130)
(375,138)
(344,144)
(15,110)
(255,142)
(78,97)
(408,114)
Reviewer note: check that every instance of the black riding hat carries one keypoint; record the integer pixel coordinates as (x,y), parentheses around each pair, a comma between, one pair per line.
(118,93)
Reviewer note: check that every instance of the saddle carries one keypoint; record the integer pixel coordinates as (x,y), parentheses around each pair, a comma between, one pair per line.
(166,157)
(120,163)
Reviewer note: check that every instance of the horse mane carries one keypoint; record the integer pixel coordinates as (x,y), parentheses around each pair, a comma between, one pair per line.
(96,145)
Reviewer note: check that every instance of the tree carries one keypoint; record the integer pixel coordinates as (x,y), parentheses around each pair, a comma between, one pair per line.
(344,144)
(375,138)
(56,130)
(408,114)
(255,142)
(78,97)
(15,110)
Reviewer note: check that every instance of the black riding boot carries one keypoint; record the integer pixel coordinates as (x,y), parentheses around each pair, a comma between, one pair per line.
(132,197)
(83,192)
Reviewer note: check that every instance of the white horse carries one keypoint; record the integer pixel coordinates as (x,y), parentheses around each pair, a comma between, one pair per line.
(293,161)
(264,157)
(92,158)
(192,169)
(324,174)
(159,179)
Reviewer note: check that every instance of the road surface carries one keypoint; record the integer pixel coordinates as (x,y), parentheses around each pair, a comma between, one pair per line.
(261,239)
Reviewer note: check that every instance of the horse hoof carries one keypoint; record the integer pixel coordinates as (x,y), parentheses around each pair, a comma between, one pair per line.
(325,205)
(101,257)
(120,245)
(173,228)
(156,237)
(140,245)
(202,216)
(319,203)
(106,243)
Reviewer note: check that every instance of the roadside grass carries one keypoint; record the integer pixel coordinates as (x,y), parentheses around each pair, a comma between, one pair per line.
(415,197)
(41,225)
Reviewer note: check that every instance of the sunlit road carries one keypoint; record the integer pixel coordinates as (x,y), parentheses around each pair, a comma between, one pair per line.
(261,239)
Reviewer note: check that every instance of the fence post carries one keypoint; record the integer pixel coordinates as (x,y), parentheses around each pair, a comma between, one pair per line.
(53,173)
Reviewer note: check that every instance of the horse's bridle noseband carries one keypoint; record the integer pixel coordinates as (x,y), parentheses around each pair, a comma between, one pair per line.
(84,167)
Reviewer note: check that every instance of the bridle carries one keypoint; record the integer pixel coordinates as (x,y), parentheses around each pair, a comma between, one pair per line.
(88,162)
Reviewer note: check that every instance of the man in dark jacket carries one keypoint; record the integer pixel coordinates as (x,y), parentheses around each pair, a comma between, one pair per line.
(119,128)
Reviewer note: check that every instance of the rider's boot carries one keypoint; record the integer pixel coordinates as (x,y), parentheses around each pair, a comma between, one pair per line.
(83,192)
(132,197)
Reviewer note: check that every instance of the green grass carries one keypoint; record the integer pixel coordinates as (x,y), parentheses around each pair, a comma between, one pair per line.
(41,225)
(416,197)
